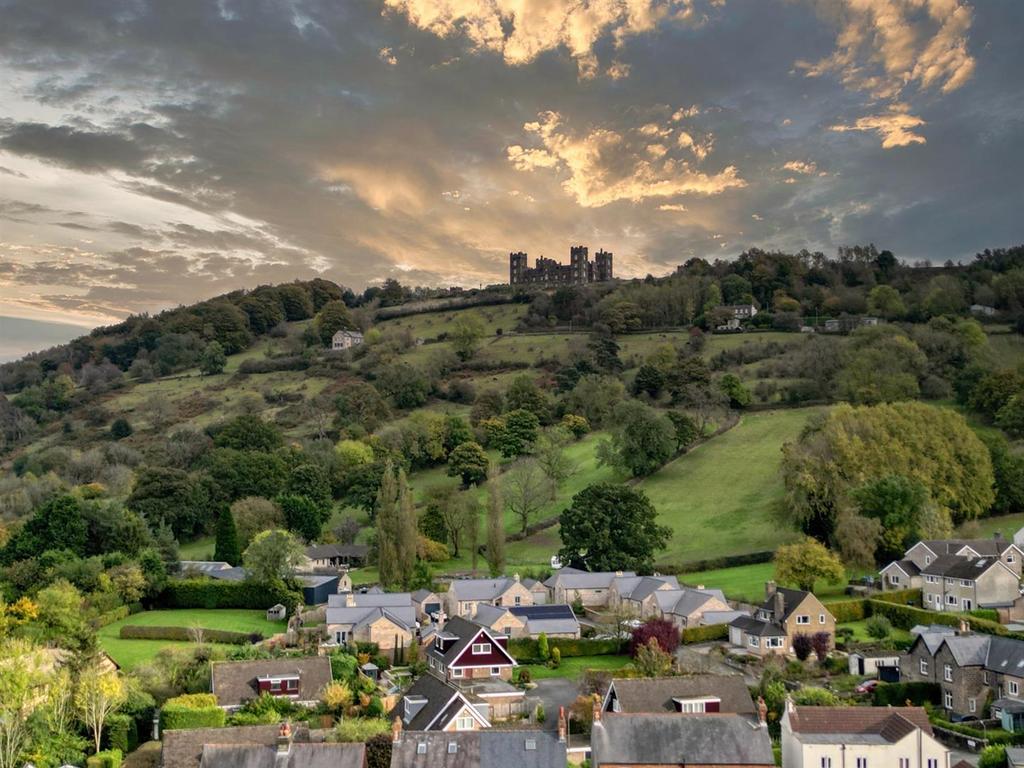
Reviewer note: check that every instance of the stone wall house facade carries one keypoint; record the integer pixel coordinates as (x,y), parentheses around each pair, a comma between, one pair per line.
(345,339)
(784,614)
(906,572)
(464,595)
(635,594)
(387,619)
(592,590)
(688,607)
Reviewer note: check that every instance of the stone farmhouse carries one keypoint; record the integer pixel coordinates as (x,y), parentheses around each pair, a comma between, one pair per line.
(387,619)
(784,614)
(465,595)
(346,339)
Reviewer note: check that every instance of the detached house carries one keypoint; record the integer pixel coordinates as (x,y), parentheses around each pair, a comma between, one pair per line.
(257,746)
(465,595)
(481,749)
(387,619)
(299,680)
(906,573)
(431,704)
(635,594)
(784,614)
(345,339)
(529,620)
(570,585)
(859,737)
(685,694)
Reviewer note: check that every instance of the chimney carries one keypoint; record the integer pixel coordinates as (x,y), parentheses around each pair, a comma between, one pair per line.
(597,710)
(284,738)
(769,590)
(762,712)
(562,726)
(350,599)
(515,576)
(396,730)
(779,606)
(965,628)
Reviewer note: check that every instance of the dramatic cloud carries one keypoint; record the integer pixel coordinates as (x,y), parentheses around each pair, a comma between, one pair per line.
(896,127)
(604,165)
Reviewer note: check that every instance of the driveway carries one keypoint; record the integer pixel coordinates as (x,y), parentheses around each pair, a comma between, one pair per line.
(552,692)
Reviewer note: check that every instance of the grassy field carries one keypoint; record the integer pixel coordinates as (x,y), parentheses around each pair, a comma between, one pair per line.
(575,666)
(746,582)
(131,653)
(720,498)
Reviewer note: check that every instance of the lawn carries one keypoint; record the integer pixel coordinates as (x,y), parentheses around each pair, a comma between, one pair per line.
(860,633)
(200,549)
(721,498)
(574,666)
(131,653)
(746,582)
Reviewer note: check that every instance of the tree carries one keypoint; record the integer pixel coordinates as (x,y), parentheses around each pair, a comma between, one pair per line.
(495,525)
(249,433)
(543,650)
(301,516)
(885,301)
(575,425)
(806,562)
(360,404)
(551,457)
(524,394)
(525,491)
(24,682)
(812,696)
(857,539)
(120,429)
(213,359)
(883,366)
(453,510)
(408,533)
(686,430)
(662,631)
(641,443)
(333,317)
(734,391)
(802,646)
(252,515)
(896,502)
(57,524)
(387,528)
(610,527)
(310,480)
(821,642)
(272,556)
(465,334)
(594,398)
(1008,471)
(651,661)
(226,548)
(98,695)
(853,445)
(468,461)
(517,433)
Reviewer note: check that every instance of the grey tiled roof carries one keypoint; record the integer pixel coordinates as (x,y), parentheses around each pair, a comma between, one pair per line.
(549,619)
(953,567)
(676,739)
(184,749)
(479,749)
(481,589)
(234,682)
(757,628)
(438,695)
(299,756)
(571,578)
(654,695)
(968,650)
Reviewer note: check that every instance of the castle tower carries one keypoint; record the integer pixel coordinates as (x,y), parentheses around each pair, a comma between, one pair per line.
(578,261)
(602,266)
(516,267)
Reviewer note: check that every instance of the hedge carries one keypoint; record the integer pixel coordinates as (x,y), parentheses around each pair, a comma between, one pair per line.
(715,563)
(705,634)
(134,632)
(211,593)
(848,610)
(110,758)
(121,733)
(905,617)
(992,735)
(988,614)
(901,596)
(109,617)
(192,710)
(525,648)
(897,694)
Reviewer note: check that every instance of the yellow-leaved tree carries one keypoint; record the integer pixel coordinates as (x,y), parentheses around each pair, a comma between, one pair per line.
(100,692)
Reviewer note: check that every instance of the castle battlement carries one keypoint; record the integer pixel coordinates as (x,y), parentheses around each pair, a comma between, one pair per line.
(579,271)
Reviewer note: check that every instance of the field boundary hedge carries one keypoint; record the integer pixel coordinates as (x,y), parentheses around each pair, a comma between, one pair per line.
(209,593)
(144,632)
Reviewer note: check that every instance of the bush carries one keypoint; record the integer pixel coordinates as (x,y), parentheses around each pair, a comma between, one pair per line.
(992,757)
(901,596)
(209,593)
(109,758)
(662,630)
(120,429)
(705,634)
(878,627)
(121,733)
(131,632)
(343,665)
(525,649)
(802,646)
(848,610)
(556,658)
(193,710)
(898,694)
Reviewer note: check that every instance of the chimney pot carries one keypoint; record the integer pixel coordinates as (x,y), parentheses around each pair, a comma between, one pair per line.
(561,724)
(769,589)
(284,738)
(396,730)
(597,710)
(762,711)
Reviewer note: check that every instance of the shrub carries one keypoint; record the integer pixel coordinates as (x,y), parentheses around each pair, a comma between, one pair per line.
(539,713)
(802,646)
(901,596)
(194,710)
(878,627)
(898,694)
(132,632)
(343,665)
(360,729)
(120,429)
(209,593)
(662,630)
(526,649)
(848,610)
(993,756)
(121,733)
(525,676)
(543,652)
(109,758)
(556,658)
(821,643)
(705,634)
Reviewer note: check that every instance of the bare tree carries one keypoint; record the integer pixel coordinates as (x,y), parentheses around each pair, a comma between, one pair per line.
(525,491)
(550,453)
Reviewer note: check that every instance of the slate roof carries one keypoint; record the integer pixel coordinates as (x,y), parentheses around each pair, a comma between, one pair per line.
(299,756)
(968,650)
(202,566)
(868,724)
(466,631)
(932,635)
(573,578)
(909,567)
(705,740)
(1014,756)
(184,749)
(443,702)
(984,547)
(683,602)
(371,606)
(549,619)
(234,682)
(654,695)
(953,567)
(756,627)
(481,589)
(479,749)
(639,588)
(791,598)
(488,615)
(237,573)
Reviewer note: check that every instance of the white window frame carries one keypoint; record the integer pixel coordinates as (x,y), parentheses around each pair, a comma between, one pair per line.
(947,699)
(1012,688)
(972,705)
(495,671)
(862,762)
(803,619)
(952,600)
(464,723)
(826,762)
(457,672)
(821,618)
(481,648)
(1010,558)
(773,642)
(753,642)
(933,762)
(904,762)
(924,666)
(947,673)
(519,600)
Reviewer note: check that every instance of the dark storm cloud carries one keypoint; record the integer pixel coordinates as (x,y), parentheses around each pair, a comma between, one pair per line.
(234,143)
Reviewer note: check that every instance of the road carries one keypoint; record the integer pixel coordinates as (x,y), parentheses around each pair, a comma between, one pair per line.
(553,692)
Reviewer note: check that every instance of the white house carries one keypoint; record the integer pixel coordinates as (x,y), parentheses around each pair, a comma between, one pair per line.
(859,737)
(346,339)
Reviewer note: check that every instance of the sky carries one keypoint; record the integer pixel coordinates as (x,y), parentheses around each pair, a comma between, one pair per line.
(156,153)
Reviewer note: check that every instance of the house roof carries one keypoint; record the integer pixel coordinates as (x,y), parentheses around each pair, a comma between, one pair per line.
(349,755)
(422,594)
(237,573)
(572,578)
(647,695)
(441,702)
(683,602)
(967,650)
(234,682)
(369,607)
(909,567)
(758,628)
(488,615)
(202,566)
(479,749)
(984,547)
(641,587)
(873,724)
(932,635)
(680,740)
(481,589)
(791,598)
(955,567)
(466,631)
(184,749)
(550,619)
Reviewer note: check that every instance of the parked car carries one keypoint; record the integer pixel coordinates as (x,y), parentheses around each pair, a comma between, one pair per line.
(867,686)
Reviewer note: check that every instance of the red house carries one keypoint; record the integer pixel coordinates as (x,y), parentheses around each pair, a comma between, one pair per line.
(463,650)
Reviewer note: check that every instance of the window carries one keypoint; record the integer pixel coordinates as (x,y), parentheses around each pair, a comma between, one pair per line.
(508,631)
(1012,688)
(495,671)
(928,597)
(862,762)
(1010,558)
(821,618)
(826,762)
(774,642)
(421,748)
(481,648)
(985,677)
(927,559)
(972,705)
(453,747)
(803,619)
(951,599)
(464,723)
(752,642)
(947,673)
(904,762)
(964,583)
(456,672)
(933,762)
(519,600)
(947,699)
(924,666)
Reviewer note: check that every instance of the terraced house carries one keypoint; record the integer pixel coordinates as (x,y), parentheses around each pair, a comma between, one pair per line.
(906,573)
(971,669)
(955,583)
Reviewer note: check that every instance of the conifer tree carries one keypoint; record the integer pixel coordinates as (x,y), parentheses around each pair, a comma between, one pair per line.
(407,531)
(495,524)
(226,548)
(387,529)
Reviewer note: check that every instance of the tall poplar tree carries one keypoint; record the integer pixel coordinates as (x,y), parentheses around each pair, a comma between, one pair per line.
(387,528)
(226,548)
(495,524)
(407,531)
